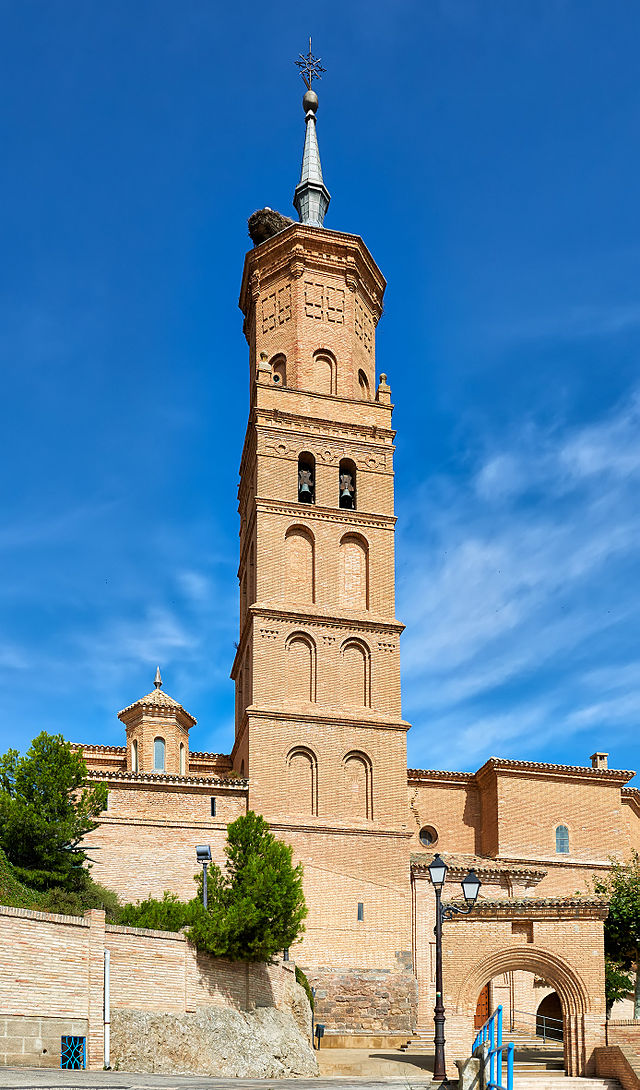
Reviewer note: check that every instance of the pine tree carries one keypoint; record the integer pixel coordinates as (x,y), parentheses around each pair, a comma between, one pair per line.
(46,808)
(256,907)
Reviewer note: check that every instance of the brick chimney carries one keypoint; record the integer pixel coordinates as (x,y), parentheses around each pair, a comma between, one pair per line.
(599,760)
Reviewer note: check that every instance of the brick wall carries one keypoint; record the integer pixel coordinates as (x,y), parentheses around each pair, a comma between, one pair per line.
(621,1063)
(52,980)
(624,1032)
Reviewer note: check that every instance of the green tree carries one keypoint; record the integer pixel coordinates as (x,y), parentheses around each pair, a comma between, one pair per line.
(256,907)
(46,807)
(621,887)
(617,983)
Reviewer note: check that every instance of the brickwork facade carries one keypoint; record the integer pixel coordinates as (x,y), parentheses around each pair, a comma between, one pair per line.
(320,742)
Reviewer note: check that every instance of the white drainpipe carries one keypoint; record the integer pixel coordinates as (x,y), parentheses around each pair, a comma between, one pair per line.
(107,1011)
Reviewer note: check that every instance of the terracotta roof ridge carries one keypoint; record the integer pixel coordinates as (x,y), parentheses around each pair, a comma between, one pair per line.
(100,748)
(202,753)
(433,773)
(509,762)
(483,864)
(166,777)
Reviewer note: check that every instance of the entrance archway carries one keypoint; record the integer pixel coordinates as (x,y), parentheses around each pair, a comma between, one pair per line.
(568,984)
(549,1018)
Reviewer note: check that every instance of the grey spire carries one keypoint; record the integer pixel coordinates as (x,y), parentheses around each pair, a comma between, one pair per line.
(158,680)
(311,197)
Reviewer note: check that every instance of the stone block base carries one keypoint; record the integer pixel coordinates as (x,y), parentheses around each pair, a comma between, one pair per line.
(365,1003)
(35,1042)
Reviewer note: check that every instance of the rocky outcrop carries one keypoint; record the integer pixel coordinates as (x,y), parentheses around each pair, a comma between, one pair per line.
(265,1043)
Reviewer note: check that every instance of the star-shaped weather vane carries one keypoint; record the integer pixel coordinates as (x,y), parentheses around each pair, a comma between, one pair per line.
(310,67)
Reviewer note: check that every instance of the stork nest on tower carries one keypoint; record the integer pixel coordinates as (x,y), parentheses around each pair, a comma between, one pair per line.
(265,223)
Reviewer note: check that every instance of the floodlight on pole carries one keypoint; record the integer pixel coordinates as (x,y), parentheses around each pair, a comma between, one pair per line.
(203,856)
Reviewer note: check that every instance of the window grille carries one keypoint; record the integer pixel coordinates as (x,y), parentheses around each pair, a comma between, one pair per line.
(73,1052)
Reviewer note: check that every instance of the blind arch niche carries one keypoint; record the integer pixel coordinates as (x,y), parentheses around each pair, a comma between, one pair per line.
(299,564)
(354,572)
(300,668)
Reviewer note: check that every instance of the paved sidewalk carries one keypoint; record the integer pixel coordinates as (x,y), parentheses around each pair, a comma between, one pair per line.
(31,1078)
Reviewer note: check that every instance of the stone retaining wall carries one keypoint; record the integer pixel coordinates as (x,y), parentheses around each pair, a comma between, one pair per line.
(365,1003)
(52,981)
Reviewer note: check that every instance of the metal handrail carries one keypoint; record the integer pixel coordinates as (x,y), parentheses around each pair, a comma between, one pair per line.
(552,1028)
(491,1034)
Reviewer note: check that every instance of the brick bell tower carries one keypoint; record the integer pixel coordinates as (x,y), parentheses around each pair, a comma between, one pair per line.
(319,731)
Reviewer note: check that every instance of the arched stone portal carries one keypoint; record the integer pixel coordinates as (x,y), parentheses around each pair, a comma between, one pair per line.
(565,948)
(558,940)
(570,988)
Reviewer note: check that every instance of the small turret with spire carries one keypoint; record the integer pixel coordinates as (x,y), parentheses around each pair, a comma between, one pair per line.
(311,197)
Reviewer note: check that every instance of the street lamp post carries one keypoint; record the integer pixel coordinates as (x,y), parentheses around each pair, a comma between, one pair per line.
(203,856)
(470,888)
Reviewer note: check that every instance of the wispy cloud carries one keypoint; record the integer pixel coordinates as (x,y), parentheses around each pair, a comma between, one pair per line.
(517,582)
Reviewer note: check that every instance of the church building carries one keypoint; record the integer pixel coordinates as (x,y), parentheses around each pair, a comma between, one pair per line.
(320,740)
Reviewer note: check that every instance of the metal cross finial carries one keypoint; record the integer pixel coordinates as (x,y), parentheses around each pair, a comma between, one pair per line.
(310,67)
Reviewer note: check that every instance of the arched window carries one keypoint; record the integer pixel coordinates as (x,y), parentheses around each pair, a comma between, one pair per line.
(306,478)
(158,754)
(347,483)
(354,572)
(324,372)
(299,567)
(300,668)
(562,840)
(363,385)
(358,777)
(182,759)
(302,768)
(279,370)
(134,756)
(355,681)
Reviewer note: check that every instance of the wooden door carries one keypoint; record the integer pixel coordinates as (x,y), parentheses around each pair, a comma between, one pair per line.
(482,1008)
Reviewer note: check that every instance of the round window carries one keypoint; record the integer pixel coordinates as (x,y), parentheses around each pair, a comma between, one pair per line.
(428,836)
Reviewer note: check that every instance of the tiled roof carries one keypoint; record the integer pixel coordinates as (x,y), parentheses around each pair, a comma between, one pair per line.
(156,699)
(526,766)
(166,777)
(540,766)
(480,863)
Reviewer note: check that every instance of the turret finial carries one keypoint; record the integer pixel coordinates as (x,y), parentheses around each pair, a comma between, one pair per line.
(158,680)
(311,197)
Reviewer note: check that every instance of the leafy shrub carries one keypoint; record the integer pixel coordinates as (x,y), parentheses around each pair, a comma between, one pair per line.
(169,914)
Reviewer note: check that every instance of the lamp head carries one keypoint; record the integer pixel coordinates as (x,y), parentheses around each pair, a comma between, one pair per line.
(437,871)
(471,887)
(203,853)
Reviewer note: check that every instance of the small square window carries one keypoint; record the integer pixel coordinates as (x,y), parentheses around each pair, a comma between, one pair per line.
(213,807)
(360,911)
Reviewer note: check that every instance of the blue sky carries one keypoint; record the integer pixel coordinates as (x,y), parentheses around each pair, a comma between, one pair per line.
(488,153)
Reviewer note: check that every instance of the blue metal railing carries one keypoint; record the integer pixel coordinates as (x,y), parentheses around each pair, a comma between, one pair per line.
(491,1035)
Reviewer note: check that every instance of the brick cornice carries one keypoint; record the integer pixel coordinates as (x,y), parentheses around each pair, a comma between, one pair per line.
(329,620)
(428,775)
(547,908)
(459,865)
(325,514)
(339,830)
(285,714)
(556,771)
(166,779)
(282,422)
